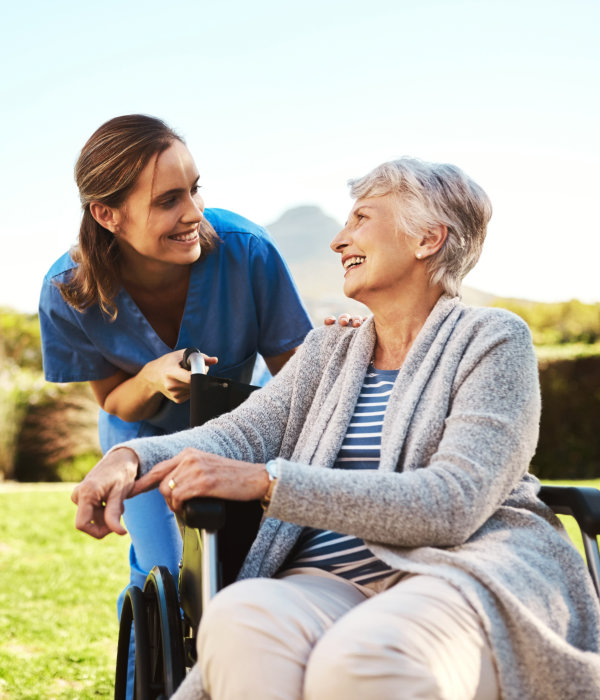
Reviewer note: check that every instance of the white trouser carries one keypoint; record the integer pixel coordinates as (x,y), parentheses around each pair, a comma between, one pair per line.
(313,637)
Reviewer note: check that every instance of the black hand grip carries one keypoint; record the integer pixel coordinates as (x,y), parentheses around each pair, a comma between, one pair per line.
(204,513)
(582,502)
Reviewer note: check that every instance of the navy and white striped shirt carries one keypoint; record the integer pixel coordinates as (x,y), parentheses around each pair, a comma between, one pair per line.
(346,555)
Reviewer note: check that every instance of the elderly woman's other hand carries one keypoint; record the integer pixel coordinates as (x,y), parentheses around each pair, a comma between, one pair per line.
(194,473)
(100,496)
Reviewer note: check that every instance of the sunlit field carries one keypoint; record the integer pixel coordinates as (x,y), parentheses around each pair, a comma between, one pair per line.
(58,591)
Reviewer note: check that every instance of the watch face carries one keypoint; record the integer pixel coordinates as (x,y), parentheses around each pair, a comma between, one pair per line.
(272,469)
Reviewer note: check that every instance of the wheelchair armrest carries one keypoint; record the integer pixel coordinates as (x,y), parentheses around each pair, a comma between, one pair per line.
(582,502)
(204,513)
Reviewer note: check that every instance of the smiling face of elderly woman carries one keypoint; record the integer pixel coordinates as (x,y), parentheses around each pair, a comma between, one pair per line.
(379,260)
(402,209)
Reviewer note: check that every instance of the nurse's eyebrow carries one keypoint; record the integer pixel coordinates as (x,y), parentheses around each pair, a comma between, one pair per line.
(175,190)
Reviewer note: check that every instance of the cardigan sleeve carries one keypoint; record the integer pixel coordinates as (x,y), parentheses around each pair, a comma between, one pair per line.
(488,437)
(246,434)
(255,430)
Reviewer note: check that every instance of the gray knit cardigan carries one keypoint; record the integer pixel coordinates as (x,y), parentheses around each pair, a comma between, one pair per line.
(451,498)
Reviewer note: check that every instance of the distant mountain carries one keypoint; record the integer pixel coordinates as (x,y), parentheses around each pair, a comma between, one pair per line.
(303,235)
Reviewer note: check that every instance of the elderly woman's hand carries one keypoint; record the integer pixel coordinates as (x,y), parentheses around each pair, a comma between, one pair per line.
(100,496)
(194,473)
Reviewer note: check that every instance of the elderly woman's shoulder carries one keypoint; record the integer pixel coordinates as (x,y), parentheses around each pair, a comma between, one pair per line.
(492,317)
(324,339)
(330,335)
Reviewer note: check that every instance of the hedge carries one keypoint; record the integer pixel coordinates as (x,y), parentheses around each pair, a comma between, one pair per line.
(569,446)
(49,432)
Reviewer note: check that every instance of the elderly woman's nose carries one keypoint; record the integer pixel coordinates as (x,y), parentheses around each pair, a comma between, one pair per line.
(340,241)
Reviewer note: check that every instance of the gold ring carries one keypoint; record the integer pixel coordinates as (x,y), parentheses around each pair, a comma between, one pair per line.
(172,484)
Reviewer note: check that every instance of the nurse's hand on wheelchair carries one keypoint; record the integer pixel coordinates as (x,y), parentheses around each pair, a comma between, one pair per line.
(100,496)
(168,376)
(194,473)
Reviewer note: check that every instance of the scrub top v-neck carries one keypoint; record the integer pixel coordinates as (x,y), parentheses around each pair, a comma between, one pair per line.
(241,300)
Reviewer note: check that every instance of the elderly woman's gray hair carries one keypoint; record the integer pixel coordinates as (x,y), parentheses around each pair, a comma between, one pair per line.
(430,194)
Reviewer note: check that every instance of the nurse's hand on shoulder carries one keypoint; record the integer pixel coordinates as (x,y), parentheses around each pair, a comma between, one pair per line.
(345,320)
(100,496)
(168,377)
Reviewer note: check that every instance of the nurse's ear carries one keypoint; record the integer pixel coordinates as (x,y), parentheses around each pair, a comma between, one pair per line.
(108,217)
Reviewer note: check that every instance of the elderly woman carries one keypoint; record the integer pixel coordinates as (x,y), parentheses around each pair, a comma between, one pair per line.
(404,551)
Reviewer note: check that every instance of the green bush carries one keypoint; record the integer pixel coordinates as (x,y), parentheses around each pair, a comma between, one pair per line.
(48,432)
(564,322)
(20,340)
(570,351)
(19,388)
(75,468)
(58,436)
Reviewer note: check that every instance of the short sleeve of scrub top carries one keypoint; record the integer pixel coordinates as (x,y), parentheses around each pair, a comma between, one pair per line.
(241,300)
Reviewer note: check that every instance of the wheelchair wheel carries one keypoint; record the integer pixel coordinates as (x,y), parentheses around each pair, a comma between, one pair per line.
(164,639)
(134,612)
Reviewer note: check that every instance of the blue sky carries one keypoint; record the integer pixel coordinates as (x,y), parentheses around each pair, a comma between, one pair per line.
(280,103)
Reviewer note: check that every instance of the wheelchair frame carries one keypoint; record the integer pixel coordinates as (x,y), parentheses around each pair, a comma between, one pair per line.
(165,624)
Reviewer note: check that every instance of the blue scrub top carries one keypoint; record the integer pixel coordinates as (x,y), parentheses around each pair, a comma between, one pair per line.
(241,300)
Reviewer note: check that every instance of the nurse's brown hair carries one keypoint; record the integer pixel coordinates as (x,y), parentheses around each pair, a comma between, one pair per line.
(106,172)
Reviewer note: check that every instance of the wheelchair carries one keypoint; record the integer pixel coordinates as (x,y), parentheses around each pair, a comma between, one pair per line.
(164,617)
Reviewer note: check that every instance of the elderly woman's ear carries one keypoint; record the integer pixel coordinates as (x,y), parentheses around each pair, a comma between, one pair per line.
(432,241)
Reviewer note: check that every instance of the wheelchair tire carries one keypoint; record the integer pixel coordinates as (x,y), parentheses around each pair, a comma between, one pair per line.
(165,634)
(134,612)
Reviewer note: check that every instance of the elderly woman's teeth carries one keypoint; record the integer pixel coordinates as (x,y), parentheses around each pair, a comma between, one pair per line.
(352,262)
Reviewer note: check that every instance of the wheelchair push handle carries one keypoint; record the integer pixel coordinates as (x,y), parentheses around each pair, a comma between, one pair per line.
(193,360)
(202,513)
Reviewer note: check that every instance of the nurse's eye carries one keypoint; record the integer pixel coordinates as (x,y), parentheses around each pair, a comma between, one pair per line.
(167,203)
(195,189)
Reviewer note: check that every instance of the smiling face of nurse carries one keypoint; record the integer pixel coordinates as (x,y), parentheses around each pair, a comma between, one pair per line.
(121,200)
(159,222)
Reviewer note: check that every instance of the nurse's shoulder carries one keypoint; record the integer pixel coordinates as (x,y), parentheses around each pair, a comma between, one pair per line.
(60,269)
(228,222)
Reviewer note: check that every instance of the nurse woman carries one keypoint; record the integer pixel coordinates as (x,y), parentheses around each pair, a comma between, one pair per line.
(154,272)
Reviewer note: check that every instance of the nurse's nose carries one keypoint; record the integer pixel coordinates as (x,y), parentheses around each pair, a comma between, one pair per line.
(194,210)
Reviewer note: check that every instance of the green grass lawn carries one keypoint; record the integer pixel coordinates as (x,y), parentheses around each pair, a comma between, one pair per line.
(58,589)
